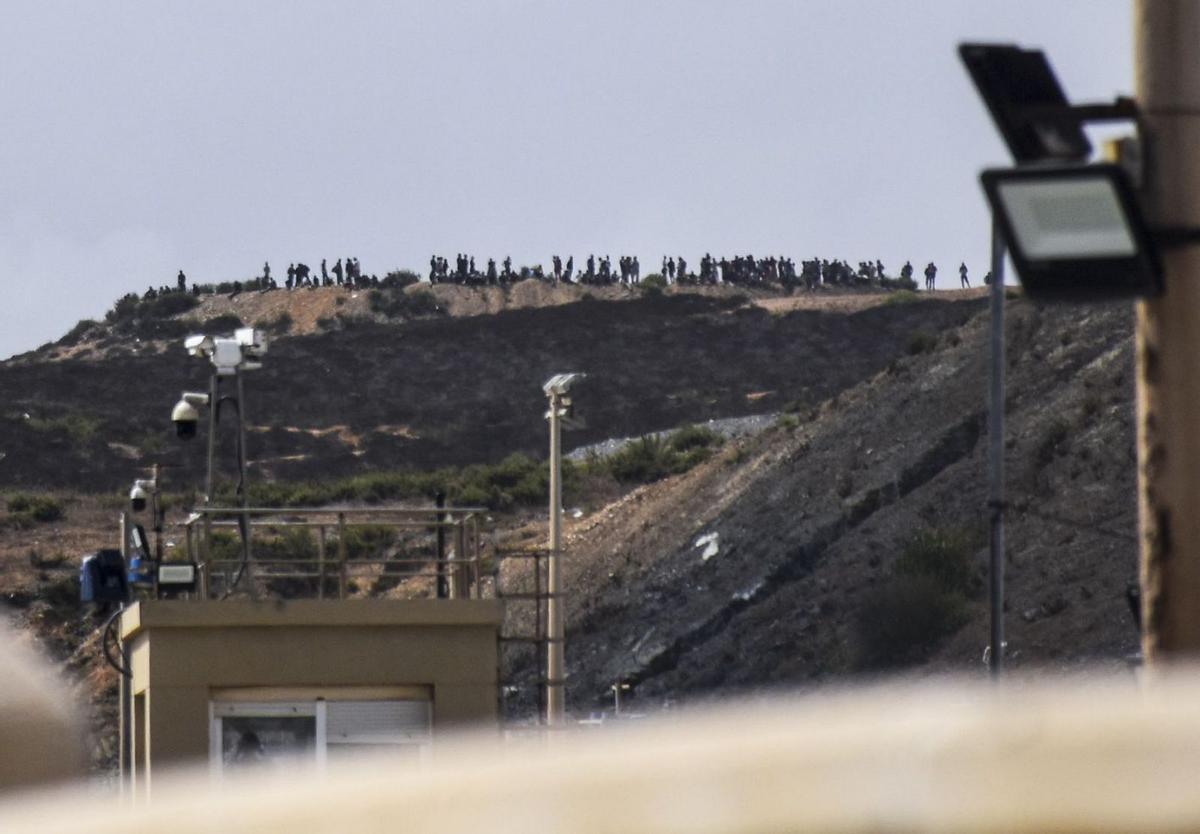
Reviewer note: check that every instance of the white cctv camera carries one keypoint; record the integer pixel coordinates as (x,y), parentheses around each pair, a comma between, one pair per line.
(186,414)
(560,384)
(198,345)
(252,340)
(137,497)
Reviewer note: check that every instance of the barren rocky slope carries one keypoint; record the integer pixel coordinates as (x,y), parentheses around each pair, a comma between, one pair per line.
(809,519)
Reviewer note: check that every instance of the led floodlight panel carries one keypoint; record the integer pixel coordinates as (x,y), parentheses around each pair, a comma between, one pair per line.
(1075,232)
(1023,95)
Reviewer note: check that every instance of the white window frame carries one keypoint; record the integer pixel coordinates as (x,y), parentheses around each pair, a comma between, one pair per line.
(227,707)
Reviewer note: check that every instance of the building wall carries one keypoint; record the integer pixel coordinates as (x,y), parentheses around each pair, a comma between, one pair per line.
(181,651)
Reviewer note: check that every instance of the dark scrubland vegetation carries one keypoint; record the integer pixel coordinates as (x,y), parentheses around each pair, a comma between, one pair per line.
(464,390)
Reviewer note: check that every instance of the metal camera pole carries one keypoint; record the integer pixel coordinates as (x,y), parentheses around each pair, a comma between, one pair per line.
(996,456)
(214,399)
(555,696)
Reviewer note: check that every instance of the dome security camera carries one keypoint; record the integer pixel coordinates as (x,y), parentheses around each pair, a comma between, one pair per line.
(137,497)
(186,417)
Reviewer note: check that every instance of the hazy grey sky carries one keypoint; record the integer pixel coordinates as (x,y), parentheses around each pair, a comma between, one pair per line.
(143,137)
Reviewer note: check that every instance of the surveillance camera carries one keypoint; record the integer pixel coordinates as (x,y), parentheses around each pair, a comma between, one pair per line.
(198,345)
(137,498)
(186,417)
(560,384)
(139,494)
(252,340)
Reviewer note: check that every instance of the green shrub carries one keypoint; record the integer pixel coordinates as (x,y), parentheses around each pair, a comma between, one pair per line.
(291,543)
(423,303)
(943,556)
(369,541)
(79,427)
(165,306)
(399,279)
(921,342)
(901,297)
(34,508)
(158,328)
(641,461)
(898,283)
(278,325)
(77,333)
(902,622)
(652,457)
(922,601)
(1053,438)
(690,438)
(787,422)
(225,546)
(653,281)
(399,304)
(516,481)
(221,325)
(126,307)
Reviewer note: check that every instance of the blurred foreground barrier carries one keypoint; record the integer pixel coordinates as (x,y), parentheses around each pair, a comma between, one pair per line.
(1072,756)
(40,737)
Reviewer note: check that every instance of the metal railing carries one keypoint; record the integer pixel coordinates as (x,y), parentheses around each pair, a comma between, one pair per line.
(323,552)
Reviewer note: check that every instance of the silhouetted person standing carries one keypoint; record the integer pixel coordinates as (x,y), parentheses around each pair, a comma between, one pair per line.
(181,281)
(963,280)
(931,277)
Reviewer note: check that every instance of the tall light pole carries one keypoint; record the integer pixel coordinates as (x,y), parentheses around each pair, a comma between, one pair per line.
(556,389)
(996,457)
(1167,83)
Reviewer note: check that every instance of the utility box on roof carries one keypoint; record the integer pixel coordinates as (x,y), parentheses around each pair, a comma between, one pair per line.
(231,682)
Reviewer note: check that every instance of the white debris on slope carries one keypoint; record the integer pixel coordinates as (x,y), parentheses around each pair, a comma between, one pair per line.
(711,542)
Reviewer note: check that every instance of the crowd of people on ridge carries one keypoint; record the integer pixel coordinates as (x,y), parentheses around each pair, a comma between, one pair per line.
(740,270)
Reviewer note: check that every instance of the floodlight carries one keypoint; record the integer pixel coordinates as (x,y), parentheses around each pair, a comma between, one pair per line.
(1026,102)
(176,577)
(1074,231)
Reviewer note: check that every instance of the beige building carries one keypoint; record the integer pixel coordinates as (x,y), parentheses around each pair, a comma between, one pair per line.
(236,681)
